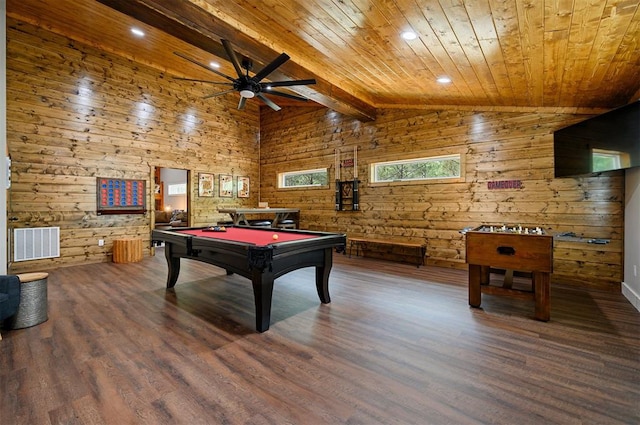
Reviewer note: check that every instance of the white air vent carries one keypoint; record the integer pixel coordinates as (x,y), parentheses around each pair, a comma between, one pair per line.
(35,244)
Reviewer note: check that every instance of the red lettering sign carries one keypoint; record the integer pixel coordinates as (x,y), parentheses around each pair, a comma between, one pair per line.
(504,184)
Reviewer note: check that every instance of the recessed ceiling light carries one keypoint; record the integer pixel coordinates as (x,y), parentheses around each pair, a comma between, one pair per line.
(444,80)
(409,35)
(214,64)
(137,32)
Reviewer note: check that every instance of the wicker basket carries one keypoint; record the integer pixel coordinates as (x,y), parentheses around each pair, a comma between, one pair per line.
(33,302)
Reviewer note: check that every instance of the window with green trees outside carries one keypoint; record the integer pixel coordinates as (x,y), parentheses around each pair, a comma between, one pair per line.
(439,167)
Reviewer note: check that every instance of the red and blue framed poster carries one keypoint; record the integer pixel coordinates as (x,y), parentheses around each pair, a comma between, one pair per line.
(121,196)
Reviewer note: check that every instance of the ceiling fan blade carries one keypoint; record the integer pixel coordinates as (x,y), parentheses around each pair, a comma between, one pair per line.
(243,101)
(289,83)
(287,95)
(269,68)
(232,55)
(202,81)
(269,103)
(209,96)
(208,68)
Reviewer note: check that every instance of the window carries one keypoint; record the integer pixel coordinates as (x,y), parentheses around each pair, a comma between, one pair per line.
(304,178)
(177,189)
(436,167)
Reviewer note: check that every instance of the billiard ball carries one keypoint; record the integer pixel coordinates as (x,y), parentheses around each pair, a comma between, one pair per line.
(275,237)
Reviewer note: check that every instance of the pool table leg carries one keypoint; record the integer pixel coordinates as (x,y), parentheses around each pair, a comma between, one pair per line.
(262,282)
(322,276)
(173,263)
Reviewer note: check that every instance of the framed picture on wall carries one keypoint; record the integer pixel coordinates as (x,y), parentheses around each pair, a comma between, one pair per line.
(226,186)
(243,187)
(205,184)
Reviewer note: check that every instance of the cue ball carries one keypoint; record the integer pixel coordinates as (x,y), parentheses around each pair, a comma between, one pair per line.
(275,237)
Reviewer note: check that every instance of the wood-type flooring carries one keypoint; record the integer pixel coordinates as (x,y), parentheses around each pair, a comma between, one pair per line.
(397,345)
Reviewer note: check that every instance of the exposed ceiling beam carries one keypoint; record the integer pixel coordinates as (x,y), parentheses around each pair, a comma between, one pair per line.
(195,26)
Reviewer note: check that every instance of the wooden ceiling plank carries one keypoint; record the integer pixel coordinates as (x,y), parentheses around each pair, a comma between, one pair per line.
(481,17)
(625,68)
(372,72)
(609,56)
(369,44)
(531,24)
(584,27)
(338,40)
(438,63)
(505,18)
(461,88)
(557,21)
(444,33)
(310,23)
(368,70)
(374,34)
(365,65)
(467,35)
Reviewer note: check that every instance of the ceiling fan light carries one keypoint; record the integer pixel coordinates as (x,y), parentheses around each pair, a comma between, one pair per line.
(247,94)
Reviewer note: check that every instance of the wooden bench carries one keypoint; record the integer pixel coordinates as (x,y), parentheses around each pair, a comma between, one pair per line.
(360,244)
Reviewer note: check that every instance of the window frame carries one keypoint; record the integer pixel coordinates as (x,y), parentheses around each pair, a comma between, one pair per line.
(282,176)
(423,158)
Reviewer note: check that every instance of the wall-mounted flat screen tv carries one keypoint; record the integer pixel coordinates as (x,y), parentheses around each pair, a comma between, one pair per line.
(610,141)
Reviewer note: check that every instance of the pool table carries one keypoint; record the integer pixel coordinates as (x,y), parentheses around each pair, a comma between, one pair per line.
(255,254)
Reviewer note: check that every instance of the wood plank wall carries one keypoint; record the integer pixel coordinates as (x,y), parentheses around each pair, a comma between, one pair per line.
(496,146)
(75,113)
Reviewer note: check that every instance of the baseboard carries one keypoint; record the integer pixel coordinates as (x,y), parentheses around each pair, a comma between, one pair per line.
(631,295)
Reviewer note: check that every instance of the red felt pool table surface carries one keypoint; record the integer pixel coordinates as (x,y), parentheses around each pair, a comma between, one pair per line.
(256,237)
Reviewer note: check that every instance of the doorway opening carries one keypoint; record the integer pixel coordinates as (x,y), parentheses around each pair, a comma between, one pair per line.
(171,197)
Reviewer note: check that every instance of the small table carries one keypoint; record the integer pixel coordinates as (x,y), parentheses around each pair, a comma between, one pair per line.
(487,247)
(127,250)
(238,215)
(254,254)
(33,308)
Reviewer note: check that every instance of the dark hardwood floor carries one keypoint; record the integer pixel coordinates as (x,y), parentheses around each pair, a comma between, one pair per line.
(397,345)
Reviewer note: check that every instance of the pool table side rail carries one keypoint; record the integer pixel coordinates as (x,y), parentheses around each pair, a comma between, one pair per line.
(159,233)
(233,256)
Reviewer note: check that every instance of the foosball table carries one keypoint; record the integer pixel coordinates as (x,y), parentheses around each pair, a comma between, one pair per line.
(511,248)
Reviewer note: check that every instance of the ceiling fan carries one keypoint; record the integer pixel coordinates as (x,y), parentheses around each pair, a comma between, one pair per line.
(250,87)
